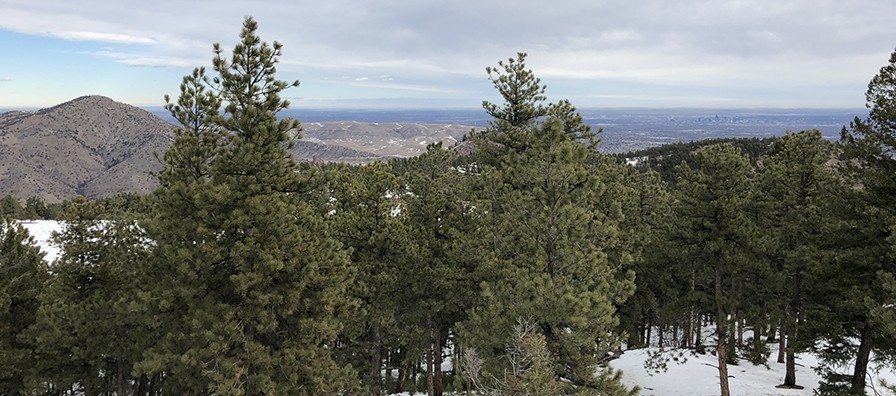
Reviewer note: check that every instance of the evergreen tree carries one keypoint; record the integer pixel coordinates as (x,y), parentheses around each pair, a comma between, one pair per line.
(249,280)
(442,275)
(794,183)
(863,260)
(553,212)
(366,209)
(715,234)
(85,332)
(36,209)
(11,208)
(658,299)
(23,274)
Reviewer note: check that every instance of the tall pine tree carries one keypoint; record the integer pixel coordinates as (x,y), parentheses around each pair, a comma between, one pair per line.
(248,272)
(795,182)
(714,233)
(863,260)
(553,213)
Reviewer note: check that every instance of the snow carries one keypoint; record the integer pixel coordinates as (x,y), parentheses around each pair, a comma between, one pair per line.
(42,231)
(698,375)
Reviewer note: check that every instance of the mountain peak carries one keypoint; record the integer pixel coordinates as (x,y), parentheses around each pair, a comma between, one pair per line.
(87,101)
(91,146)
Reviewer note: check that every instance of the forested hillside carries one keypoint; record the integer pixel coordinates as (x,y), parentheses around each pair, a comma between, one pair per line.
(522,265)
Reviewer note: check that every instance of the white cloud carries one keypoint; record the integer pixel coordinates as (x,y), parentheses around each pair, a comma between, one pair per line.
(5,79)
(104,37)
(689,44)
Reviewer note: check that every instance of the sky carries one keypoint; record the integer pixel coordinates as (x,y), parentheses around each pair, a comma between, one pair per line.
(433,54)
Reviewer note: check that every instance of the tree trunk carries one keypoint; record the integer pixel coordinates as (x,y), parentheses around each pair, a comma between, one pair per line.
(732,338)
(634,338)
(660,333)
(782,346)
(402,377)
(430,389)
(698,334)
(757,336)
(376,380)
(437,363)
(120,379)
(647,339)
(788,331)
(790,374)
(861,371)
(721,328)
(692,314)
(740,331)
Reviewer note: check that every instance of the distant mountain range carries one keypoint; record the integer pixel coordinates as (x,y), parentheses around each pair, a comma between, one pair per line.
(96,147)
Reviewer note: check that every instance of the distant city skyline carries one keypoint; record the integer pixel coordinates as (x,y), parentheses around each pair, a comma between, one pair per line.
(397,54)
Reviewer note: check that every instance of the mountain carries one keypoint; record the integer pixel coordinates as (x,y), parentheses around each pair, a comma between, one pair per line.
(90,146)
(378,140)
(96,147)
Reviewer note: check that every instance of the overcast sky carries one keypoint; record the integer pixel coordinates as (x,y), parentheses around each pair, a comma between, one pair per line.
(419,53)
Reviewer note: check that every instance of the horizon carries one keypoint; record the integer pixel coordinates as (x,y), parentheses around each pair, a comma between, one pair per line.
(161,108)
(654,54)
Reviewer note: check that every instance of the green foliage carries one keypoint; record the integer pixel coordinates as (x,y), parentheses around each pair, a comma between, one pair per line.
(249,283)
(23,274)
(715,236)
(861,258)
(86,333)
(11,208)
(796,184)
(664,159)
(553,209)
(659,294)
(523,96)
(366,202)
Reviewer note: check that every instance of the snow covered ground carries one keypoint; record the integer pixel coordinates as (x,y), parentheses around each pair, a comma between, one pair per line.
(42,231)
(699,376)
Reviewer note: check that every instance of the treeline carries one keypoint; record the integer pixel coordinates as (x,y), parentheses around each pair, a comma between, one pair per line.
(666,158)
(521,268)
(36,209)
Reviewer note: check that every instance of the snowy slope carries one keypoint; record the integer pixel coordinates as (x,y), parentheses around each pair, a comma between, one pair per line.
(699,376)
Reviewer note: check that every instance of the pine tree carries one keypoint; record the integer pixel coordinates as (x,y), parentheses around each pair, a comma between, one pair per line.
(11,207)
(85,332)
(442,276)
(658,299)
(553,211)
(714,233)
(23,274)
(366,209)
(795,181)
(251,283)
(862,259)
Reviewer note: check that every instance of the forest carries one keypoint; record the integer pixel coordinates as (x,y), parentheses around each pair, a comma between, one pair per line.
(524,257)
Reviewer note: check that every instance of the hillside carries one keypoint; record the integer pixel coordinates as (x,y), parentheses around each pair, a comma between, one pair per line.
(96,147)
(91,146)
(371,140)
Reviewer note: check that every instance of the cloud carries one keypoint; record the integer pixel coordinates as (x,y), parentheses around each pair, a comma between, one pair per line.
(5,79)
(688,43)
(104,37)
